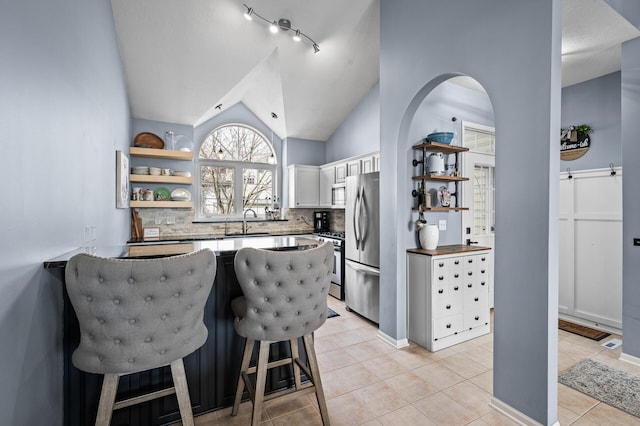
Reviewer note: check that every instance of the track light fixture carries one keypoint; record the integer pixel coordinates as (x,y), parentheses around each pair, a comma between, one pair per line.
(281,24)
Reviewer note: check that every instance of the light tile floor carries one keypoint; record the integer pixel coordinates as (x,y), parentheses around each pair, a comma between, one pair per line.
(367,382)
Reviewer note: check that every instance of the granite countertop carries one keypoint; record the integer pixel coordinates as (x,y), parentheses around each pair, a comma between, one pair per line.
(173,247)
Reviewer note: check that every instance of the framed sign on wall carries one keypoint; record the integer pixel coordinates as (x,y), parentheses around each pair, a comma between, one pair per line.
(575,141)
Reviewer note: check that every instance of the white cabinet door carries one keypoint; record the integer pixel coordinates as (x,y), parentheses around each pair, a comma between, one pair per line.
(341,172)
(353,168)
(304,185)
(326,185)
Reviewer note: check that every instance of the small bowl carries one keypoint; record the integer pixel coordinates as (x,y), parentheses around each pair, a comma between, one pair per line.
(440,137)
(180,194)
(154,171)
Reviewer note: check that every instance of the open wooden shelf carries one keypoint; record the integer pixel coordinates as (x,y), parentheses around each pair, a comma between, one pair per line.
(440,147)
(165,154)
(162,204)
(161,179)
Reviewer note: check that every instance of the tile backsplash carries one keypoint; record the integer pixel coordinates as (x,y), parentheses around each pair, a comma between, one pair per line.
(179,223)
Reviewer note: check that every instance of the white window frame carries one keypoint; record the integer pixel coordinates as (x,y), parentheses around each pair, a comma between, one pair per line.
(238,167)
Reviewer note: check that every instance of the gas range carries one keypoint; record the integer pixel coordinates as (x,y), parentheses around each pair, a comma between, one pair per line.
(336,238)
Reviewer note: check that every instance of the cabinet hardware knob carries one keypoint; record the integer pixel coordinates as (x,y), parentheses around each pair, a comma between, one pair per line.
(483,259)
(456,275)
(456,288)
(441,291)
(457,262)
(470,261)
(469,273)
(448,325)
(469,285)
(477,318)
(475,299)
(482,271)
(482,283)
(448,306)
(441,278)
(441,264)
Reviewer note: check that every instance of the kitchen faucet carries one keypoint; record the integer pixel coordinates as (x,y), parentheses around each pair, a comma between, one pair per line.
(244,219)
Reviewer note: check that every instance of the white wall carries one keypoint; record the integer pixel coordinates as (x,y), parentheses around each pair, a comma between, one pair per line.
(63,114)
(500,44)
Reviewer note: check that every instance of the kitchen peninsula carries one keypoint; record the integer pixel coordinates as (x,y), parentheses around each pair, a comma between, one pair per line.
(212,371)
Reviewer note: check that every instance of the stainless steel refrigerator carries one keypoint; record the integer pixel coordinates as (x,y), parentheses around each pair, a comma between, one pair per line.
(362,245)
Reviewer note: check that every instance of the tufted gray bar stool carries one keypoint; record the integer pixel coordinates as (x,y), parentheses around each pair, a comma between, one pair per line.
(136,315)
(285,297)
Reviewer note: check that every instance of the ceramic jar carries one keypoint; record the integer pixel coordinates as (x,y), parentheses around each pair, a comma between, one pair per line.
(428,235)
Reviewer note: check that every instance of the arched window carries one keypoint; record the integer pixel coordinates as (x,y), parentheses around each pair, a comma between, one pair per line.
(236,167)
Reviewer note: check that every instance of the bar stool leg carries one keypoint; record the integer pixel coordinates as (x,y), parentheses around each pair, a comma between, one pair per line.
(261,381)
(315,372)
(182,392)
(246,359)
(107,399)
(295,354)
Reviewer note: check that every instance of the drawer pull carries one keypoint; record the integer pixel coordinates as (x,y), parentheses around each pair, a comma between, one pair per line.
(441,291)
(441,264)
(477,318)
(441,278)
(476,299)
(456,288)
(448,325)
(448,306)
(470,285)
(482,271)
(456,275)
(470,273)
(457,262)
(482,258)
(470,260)
(482,283)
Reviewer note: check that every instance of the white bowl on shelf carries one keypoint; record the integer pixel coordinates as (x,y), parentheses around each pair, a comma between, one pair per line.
(180,194)
(155,171)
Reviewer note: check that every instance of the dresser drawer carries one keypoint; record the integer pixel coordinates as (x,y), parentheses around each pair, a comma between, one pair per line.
(476,319)
(447,306)
(447,326)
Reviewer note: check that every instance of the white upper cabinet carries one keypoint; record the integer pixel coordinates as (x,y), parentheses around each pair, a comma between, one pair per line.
(304,186)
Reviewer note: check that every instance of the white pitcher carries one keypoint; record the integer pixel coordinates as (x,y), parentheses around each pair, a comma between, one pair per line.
(428,234)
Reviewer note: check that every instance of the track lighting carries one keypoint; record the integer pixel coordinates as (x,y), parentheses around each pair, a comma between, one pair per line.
(281,24)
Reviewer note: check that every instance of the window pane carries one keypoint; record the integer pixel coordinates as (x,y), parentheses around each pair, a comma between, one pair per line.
(237,143)
(483,200)
(257,189)
(479,141)
(216,192)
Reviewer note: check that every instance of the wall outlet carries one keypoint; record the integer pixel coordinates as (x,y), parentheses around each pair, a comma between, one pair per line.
(94,232)
(442,225)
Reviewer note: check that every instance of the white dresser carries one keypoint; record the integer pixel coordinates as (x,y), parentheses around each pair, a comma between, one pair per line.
(447,295)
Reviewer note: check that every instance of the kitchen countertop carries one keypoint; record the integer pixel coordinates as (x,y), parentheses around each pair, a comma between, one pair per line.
(452,249)
(173,247)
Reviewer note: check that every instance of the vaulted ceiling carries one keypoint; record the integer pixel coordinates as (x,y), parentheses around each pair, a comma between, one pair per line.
(184,58)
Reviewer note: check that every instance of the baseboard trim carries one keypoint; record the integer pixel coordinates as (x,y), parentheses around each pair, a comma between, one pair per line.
(513,414)
(630,359)
(398,344)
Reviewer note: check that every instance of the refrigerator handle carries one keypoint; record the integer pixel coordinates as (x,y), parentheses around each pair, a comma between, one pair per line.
(356,229)
(364,219)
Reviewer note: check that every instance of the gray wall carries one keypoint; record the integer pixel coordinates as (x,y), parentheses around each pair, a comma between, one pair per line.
(359,133)
(488,47)
(597,103)
(63,114)
(630,199)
